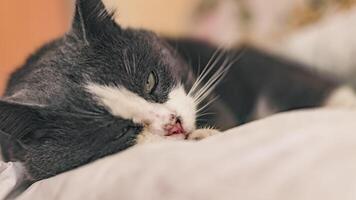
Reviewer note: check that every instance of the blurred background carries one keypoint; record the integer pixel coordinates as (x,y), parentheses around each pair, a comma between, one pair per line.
(313,31)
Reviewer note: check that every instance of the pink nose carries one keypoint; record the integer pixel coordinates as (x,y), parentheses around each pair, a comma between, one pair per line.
(175,129)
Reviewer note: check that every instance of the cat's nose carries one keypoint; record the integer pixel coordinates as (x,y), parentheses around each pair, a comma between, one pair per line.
(175,128)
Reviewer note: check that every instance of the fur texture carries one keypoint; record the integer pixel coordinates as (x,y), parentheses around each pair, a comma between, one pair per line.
(82,96)
(69,126)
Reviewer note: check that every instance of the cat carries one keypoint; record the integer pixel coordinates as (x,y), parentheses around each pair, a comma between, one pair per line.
(101,89)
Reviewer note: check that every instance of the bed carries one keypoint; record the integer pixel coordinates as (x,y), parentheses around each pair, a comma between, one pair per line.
(308,154)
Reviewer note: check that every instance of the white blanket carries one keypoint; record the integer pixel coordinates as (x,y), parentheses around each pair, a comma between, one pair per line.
(307,155)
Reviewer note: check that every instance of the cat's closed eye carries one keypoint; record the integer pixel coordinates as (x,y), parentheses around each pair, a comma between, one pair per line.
(151,83)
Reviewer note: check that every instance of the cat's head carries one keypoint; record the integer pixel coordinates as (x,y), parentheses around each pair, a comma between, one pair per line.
(91,93)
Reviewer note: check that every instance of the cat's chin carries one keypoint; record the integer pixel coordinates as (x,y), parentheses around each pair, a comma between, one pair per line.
(199,134)
(148,137)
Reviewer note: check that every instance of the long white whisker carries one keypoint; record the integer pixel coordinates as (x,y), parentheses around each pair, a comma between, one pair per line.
(212,82)
(206,72)
(205,114)
(212,62)
(134,63)
(126,62)
(207,104)
(215,79)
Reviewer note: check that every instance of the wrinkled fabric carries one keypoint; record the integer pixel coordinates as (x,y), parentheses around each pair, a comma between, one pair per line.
(11,174)
(307,155)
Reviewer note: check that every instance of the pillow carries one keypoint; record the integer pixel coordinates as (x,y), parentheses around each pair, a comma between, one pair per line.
(295,155)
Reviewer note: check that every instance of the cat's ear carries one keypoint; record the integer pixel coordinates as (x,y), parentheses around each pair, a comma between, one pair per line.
(16,122)
(92,18)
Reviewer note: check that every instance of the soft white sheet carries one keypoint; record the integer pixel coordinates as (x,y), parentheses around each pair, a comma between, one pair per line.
(297,155)
(10,175)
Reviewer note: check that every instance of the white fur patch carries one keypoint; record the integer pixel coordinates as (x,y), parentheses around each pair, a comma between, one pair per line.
(342,97)
(154,116)
(184,106)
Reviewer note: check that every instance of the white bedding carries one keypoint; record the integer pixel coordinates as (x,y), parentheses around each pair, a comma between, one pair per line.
(296,155)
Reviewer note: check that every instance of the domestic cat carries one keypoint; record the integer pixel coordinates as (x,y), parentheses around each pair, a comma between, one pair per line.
(101,89)
(96,91)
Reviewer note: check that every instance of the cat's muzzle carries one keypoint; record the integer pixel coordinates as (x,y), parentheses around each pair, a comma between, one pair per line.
(175,128)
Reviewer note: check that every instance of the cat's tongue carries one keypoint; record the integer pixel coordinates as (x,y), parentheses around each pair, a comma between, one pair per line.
(175,129)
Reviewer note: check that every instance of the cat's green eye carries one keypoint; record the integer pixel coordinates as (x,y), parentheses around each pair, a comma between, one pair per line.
(151,83)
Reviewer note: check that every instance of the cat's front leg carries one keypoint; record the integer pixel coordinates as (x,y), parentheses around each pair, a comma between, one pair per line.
(147,137)
(200,134)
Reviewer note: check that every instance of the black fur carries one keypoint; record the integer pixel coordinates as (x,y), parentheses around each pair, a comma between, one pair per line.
(69,128)
(66,128)
(284,83)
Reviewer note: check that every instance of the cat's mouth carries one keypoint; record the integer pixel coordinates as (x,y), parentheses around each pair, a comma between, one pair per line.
(175,129)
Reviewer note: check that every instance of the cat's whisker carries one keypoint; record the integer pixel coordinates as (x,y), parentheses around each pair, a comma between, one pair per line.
(212,82)
(126,62)
(215,79)
(207,104)
(215,58)
(134,64)
(207,85)
(211,64)
(202,120)
(204,74)
(205,114)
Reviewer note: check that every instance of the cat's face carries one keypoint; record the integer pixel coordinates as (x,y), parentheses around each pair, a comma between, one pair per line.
(143,81)
(92,93)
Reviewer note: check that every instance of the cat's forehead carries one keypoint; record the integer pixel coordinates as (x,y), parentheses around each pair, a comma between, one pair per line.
(134,53)
(65,66)
(143,44)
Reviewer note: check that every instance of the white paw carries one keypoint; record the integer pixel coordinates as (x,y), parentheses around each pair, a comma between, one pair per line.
(342,97)
(147,137)
(202,133)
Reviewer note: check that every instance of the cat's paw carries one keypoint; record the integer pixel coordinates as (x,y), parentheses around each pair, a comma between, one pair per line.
(202,133)
(148,137)
(342,97)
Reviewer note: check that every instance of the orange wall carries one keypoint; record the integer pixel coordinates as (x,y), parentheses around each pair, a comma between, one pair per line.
(170,17)
(25,25)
